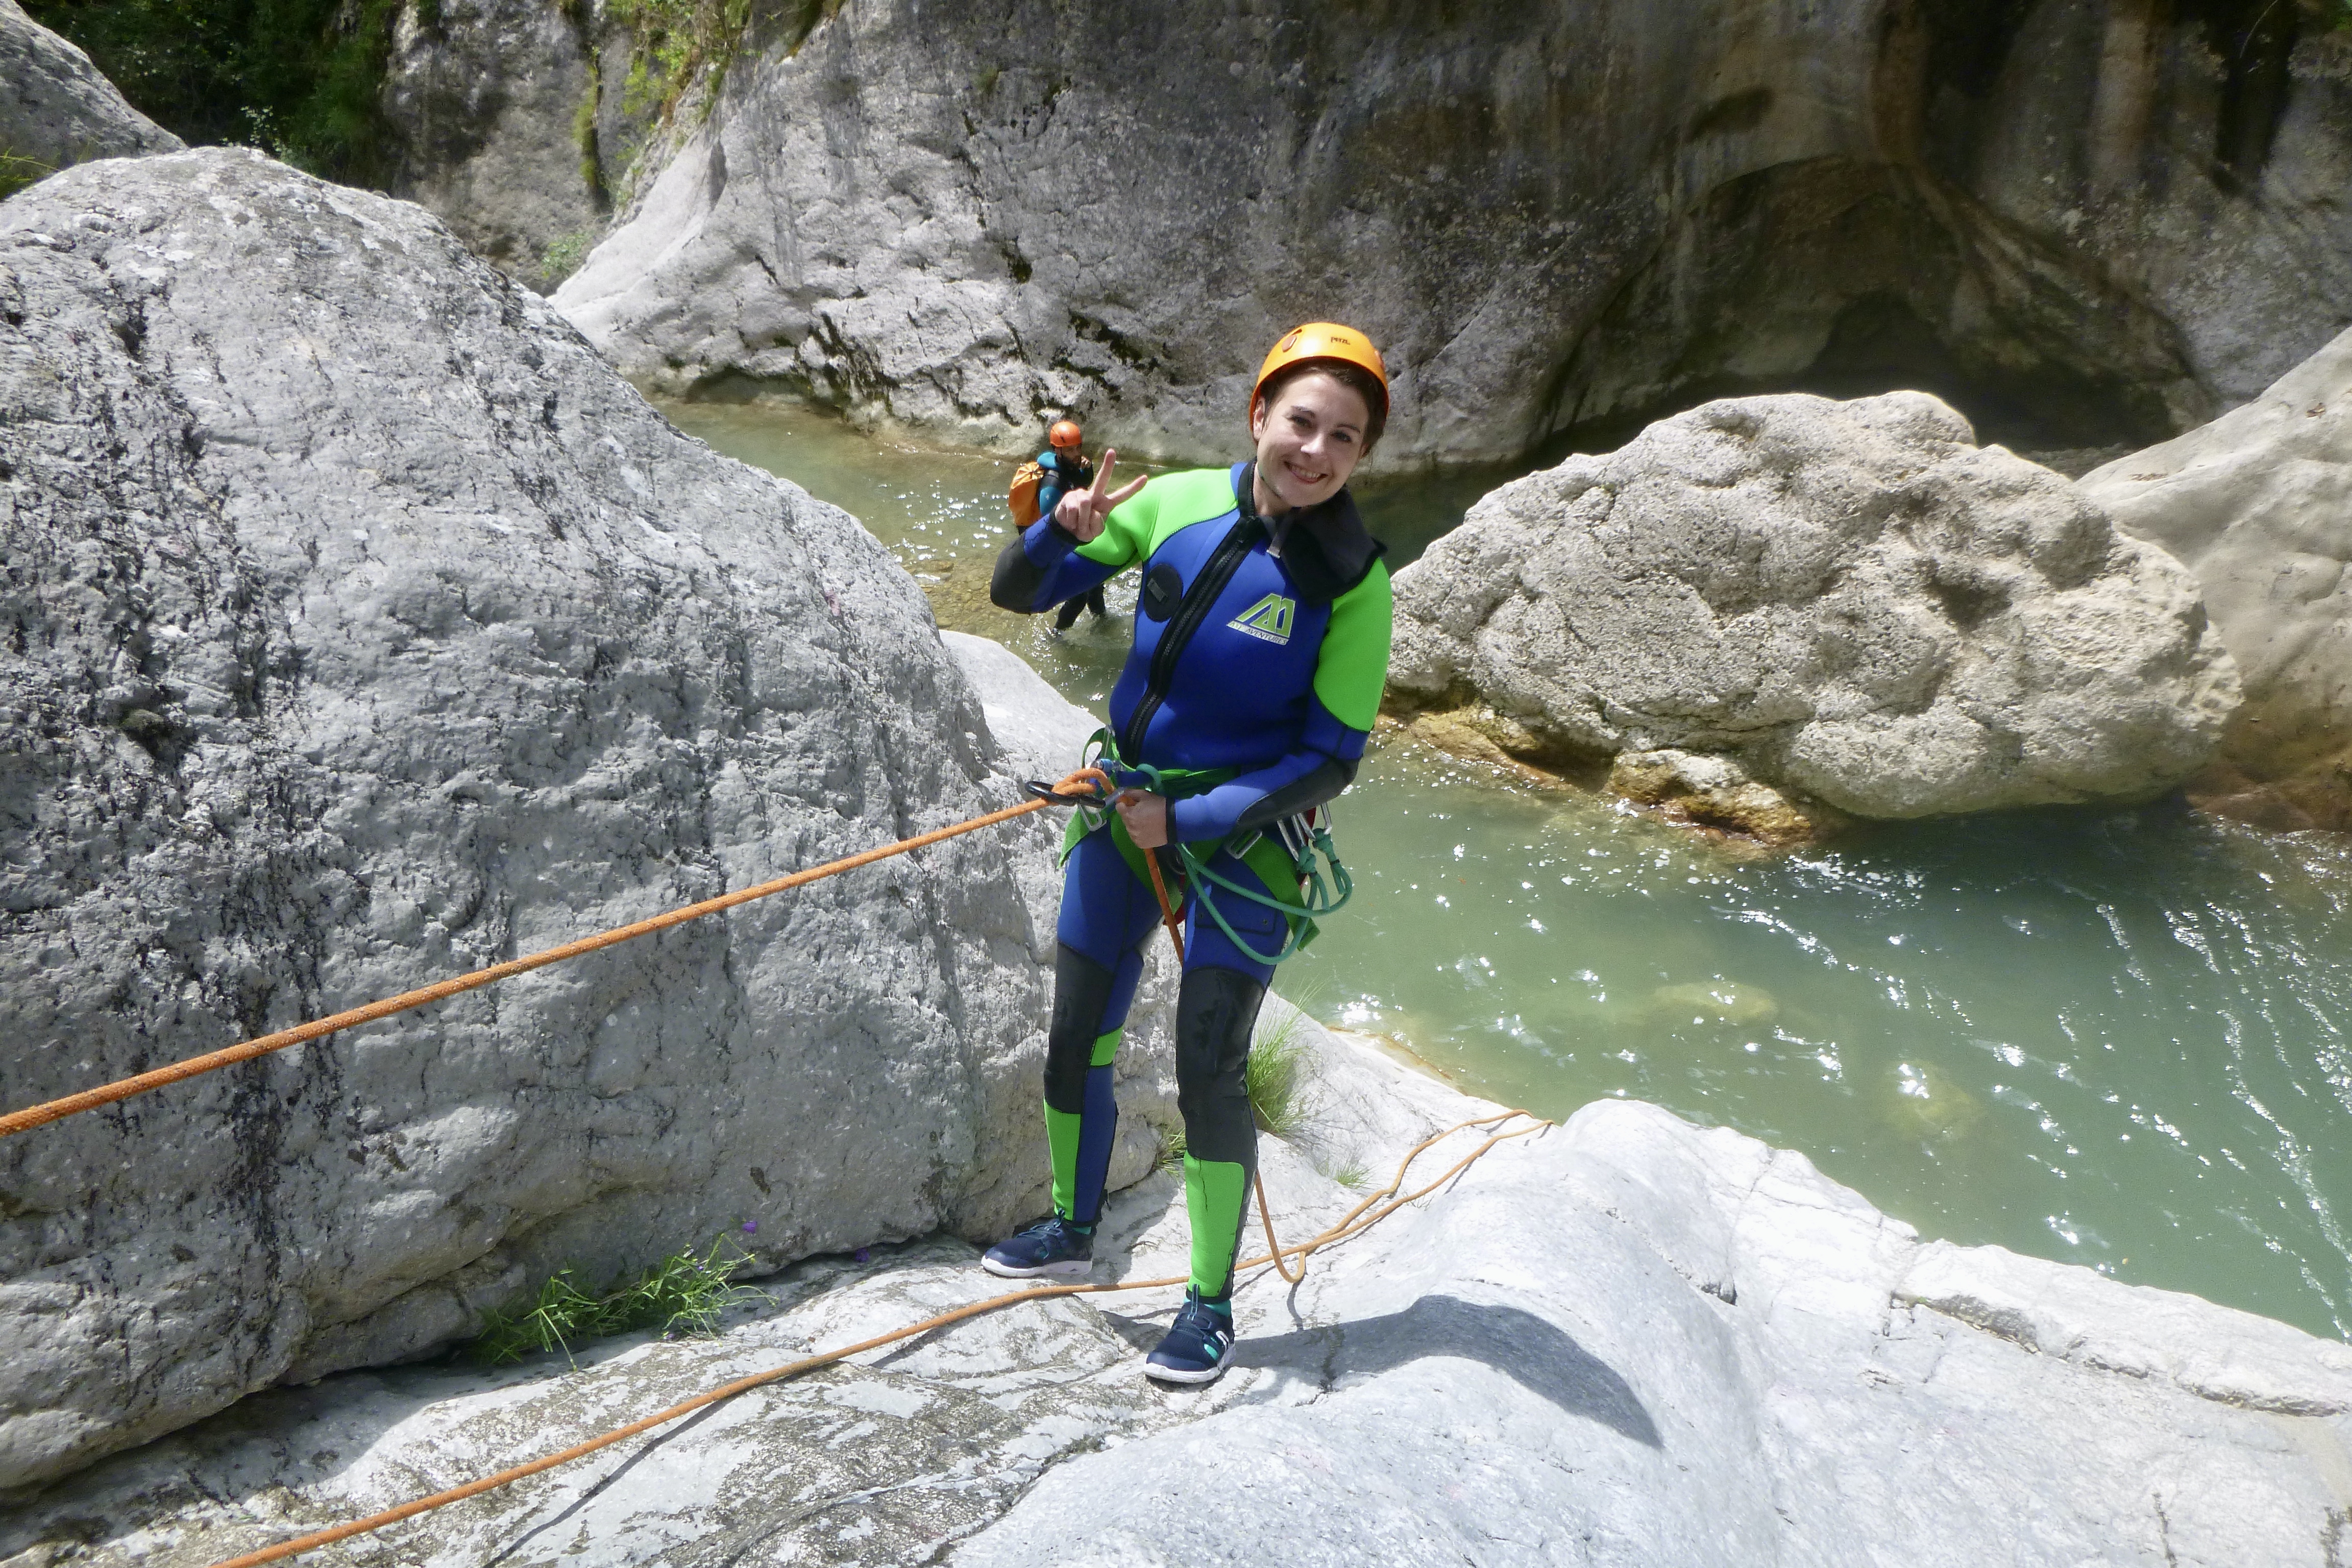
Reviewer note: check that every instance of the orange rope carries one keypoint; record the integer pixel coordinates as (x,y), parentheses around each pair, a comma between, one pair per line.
(1349,1224)
(91,1099)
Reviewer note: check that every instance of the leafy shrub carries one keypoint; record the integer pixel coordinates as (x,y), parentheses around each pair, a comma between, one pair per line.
(302,78)
(563,257)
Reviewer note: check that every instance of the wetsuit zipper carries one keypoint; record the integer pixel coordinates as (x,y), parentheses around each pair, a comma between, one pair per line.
(1191,611)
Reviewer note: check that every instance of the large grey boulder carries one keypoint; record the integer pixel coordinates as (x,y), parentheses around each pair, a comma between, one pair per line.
(2258,504)
(1628,1342)
(56,109)
(2107,220)
(1854,597)
(365,628)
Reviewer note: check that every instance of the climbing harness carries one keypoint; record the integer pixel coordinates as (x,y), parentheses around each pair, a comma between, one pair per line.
(1304,838)
(1090,789)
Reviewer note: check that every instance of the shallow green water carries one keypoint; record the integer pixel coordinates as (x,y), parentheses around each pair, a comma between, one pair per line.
(2115,1039)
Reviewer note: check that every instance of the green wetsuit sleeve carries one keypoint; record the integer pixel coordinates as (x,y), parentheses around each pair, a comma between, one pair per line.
(1169,503)
(1353,666)
(1127,533)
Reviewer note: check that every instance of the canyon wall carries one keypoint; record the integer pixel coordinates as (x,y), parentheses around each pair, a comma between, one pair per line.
(2084,222)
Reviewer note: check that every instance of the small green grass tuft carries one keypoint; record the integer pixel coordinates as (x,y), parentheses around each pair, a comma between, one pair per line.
(1353,1175)
(682,1294)
(1276,1076)
(16,171)
(1172,1156)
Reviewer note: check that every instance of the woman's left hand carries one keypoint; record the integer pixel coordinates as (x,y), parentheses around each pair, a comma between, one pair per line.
(1146,816)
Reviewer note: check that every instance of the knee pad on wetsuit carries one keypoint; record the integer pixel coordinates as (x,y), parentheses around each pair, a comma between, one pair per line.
(1082,993)
(1215,1011)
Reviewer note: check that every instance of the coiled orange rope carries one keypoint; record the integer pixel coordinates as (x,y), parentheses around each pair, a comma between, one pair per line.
(1353,1223)
(1071,788)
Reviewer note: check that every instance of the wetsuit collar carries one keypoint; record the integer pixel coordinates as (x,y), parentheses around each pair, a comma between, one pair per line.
(1325,546)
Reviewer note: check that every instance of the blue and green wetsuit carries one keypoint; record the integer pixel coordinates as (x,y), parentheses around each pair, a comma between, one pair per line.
(1261,648)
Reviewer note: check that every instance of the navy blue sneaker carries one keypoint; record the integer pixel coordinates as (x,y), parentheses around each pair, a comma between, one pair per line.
(1052,1246)
(1198,1346)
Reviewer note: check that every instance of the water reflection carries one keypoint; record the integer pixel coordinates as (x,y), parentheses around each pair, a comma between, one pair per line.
(2116,1039)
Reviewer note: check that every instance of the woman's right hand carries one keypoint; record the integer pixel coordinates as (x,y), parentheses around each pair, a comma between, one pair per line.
(1081,513)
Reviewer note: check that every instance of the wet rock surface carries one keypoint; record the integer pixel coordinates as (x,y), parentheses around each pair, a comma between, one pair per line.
(1853,599)
(56,109)
(2255,504)
(1717,792)
(2098,221)
(363,629)
(1628,1341)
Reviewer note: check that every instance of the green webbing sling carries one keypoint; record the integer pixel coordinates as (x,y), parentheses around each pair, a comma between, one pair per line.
(1292,857)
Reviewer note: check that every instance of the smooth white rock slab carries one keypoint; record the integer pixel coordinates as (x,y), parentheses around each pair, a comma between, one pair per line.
(1627,1341)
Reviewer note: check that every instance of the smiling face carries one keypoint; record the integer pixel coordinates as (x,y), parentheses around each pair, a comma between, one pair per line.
(1310,435)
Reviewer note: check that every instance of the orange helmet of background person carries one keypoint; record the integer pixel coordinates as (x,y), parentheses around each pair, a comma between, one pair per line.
(1321,341)
(1064,432)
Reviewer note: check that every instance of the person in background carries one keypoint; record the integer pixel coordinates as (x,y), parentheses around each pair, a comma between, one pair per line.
(1067,470)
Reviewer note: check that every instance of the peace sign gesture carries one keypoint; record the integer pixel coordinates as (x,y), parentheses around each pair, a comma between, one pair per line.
(1080,513)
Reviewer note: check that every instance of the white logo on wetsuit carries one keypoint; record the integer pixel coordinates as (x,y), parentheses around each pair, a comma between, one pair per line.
(1269,620)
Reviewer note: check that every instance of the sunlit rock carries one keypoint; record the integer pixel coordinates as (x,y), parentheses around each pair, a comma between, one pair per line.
(1714,791)
(2256,504)
(57,110)
(2099,221)
(1628,1342)
(368,630)
(1853,599)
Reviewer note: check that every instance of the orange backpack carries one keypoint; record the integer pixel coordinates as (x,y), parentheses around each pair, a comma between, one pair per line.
(1023,497)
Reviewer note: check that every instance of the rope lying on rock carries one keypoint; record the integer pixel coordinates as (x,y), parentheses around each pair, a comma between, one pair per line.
(1071,787)
(1355,1222)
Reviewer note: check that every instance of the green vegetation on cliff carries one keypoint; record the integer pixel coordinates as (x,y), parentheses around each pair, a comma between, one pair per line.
(300,78)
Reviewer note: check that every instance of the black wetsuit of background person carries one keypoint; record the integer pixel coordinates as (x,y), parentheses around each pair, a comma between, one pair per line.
(1065,472)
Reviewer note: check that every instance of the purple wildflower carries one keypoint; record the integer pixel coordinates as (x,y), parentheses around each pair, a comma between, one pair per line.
(864,1255)
(750,1228)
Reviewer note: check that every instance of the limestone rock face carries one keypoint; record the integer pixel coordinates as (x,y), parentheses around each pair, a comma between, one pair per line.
(363,628)
(1714,791)
(507,127)
(56,109)
(2101,220)
(1628,1342)
(1855,599)
(2256,504)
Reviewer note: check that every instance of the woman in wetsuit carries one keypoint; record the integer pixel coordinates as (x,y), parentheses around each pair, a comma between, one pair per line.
(1261,647)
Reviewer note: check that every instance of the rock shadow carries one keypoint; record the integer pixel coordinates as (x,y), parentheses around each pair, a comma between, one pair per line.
(1536,1355)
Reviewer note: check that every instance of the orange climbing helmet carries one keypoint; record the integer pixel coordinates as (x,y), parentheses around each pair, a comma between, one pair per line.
(1064,432)
(1324,341)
